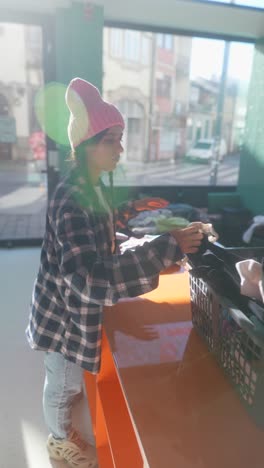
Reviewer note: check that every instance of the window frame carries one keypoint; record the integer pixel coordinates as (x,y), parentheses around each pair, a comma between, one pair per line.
(229,5)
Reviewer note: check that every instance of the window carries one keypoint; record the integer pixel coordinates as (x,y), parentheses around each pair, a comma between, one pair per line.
(4,106)
(132,46)
(203,145)
(164,87)
(190,132)
(206,130)
(116,42)
(133,125)
(194,95)
(145,51)
(33,39)
(167,112)
(165,41)
(160,40)
(198,131)
(167,140)
(168,41)
(133,143)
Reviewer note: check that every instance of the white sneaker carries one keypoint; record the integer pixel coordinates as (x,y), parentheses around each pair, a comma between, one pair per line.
(74,450)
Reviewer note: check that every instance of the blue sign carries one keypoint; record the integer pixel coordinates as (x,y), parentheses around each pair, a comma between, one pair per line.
(7,130)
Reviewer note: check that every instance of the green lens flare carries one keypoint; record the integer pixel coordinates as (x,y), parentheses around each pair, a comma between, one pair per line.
(52,112)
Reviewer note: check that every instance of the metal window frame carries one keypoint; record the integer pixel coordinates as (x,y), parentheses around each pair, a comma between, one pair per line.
(176,31)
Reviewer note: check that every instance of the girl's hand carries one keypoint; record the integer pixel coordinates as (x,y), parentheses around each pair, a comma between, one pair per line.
(189,239)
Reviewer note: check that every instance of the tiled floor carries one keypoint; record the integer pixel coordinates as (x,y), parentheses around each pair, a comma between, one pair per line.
(22,226)
(22,430)
(23,213)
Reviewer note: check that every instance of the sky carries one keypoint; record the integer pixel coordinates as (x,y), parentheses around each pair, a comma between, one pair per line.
(207,59)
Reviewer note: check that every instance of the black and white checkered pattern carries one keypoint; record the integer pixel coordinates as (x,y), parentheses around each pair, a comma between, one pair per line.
(79,275)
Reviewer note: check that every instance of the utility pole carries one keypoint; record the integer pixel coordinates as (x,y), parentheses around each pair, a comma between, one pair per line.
(152,92)
(219,117)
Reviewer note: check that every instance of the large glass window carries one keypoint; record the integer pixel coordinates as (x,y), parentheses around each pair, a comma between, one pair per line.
(132,46)
(184,106)
(23,193)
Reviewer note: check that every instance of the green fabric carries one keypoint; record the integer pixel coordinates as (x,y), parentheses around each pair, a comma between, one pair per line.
(167,224)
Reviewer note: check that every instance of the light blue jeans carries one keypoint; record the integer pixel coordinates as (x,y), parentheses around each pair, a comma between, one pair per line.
(63,385)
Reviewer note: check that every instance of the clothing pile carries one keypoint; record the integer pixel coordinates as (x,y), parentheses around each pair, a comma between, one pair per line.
(164,219)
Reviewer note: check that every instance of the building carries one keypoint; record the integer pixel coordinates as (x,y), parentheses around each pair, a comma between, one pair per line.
(127,83)
(203,115)
(20,79)
(171,98)
(147,76)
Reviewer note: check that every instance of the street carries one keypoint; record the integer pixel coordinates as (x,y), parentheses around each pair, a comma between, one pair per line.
(135,173)
(23,192)
(23,200)
(179,173)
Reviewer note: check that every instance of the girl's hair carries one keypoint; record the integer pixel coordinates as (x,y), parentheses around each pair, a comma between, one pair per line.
(78,156)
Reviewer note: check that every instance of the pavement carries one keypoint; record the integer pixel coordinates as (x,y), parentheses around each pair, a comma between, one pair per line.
(23,201)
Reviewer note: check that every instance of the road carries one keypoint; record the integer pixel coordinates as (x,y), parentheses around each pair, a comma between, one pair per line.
(23,200)
(23,193)
(12,178)
(157,173)
(180,173)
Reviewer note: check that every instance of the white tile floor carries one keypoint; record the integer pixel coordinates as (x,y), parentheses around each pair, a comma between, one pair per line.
(22,430)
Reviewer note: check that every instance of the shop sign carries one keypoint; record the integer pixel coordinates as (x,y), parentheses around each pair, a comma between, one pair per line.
(7,130)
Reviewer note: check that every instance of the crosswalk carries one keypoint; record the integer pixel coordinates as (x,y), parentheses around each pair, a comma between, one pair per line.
(183,174)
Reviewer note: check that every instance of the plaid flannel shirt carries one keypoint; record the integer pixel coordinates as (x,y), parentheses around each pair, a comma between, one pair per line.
(79,275)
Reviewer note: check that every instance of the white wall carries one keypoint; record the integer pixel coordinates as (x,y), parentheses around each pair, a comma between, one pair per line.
(13,56)
(12,53)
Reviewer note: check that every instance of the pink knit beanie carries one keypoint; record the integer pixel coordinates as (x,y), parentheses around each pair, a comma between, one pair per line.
(89,114)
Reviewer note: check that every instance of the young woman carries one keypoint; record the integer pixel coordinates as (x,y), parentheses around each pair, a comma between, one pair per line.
(80,271)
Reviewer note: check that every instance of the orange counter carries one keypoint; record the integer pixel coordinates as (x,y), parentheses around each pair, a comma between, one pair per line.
(160,399)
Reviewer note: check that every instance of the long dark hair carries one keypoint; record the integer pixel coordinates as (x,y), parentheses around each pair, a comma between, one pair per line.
(79,154)
(79,157)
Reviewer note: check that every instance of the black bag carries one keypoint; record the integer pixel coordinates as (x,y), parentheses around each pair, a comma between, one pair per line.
(215,264)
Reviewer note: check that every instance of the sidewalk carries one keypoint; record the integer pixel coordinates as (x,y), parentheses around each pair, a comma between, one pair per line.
(21,227)
(22,214)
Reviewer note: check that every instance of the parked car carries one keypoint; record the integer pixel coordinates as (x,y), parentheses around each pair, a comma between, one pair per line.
(203,151)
